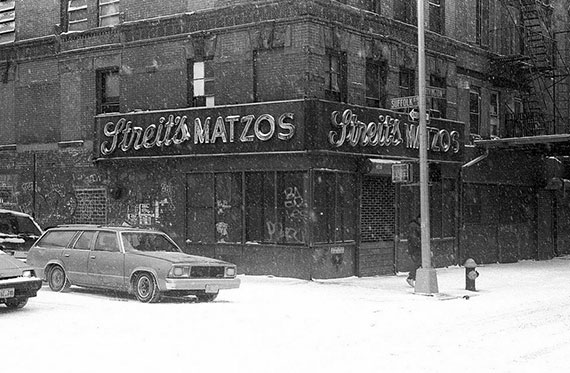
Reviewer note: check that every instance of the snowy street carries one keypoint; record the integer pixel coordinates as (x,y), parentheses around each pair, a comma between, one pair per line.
(517,321)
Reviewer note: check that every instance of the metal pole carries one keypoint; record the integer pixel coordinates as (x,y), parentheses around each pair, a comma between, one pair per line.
(426,279)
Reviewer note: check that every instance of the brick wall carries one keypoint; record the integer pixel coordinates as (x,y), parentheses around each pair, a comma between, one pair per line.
(91,206)
(37,105)
(154,77)
(36,18)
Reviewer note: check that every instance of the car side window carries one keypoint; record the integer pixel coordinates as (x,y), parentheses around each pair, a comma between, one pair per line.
(84,241)
(57,238)
(106,241)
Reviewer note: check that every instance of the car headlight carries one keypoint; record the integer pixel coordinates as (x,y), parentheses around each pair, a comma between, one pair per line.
(179,271)
(28,273)
(230,271)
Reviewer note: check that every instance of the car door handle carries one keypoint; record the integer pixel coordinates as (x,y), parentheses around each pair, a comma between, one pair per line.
(66,255)
(92,257)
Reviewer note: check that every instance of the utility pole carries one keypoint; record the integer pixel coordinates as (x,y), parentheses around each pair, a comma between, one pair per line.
(426,277)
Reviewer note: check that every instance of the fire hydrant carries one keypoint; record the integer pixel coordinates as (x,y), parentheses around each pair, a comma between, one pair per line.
(470,274)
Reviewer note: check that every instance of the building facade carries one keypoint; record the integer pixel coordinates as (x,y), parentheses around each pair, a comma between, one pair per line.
(268,133)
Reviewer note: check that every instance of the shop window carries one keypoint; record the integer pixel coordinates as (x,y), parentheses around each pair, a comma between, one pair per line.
(407,82)
(274,206)
(201,83)
(214,207)
(437,16)
(494,121)
(336,76)
(77,15)
(482,22)
(227,207)
(108,90)
(200,208)
(334,211)
(109,12)
(7,21)
(438,105)
(260,206)
(376,74)
(406,11)
(474,110)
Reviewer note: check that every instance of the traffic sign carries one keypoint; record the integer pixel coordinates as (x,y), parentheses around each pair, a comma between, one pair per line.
(414,115)
(435,92)
(404,102)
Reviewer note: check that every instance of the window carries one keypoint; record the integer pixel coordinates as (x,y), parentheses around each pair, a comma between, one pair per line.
(474,110)
(407,82)
(201,83)
(436,16)
(336,76)
(494,113)
(76,15)
(406,11)
(106,241)
(333,208)
(108,91)
(274,206)
(438,101)
(57,238)
(376,73)
(214,207)
(373,6)
(108,12)
(7,21)
(84,241)
(482,22)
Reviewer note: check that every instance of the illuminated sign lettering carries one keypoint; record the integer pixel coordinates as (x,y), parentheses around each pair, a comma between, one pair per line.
(176,130)
(387,131)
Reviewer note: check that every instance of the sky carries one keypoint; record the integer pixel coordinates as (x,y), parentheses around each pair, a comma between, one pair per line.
(518,320)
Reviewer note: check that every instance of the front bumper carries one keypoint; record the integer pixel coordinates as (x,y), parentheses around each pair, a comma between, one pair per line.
(201,284)
(24,287)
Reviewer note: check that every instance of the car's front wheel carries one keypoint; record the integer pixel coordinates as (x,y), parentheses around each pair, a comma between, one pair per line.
(57,279)
(16,303)
(146,289)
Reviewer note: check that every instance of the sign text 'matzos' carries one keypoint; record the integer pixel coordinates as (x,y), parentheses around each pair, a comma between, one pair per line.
(176,130)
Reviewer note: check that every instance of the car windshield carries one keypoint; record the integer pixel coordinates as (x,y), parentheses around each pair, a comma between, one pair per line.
(147,241)
(15,224)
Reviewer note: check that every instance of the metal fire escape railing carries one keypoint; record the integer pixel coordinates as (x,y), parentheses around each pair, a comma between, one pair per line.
(533,72)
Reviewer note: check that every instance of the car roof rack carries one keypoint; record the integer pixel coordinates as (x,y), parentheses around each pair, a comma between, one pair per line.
(78,225)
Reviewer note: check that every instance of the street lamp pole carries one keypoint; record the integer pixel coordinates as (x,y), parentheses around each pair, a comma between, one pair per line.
(426,277)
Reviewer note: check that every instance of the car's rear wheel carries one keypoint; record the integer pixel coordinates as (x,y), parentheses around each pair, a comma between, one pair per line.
(57,279)
(16,303)
(146,289)
(206,297)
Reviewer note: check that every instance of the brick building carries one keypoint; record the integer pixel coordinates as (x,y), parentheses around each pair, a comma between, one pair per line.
(260,131)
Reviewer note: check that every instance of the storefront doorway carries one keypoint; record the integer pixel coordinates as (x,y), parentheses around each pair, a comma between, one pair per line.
(377,226)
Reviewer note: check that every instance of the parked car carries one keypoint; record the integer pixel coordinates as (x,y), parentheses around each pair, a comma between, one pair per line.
(146,263)
(18,231)
(18,282)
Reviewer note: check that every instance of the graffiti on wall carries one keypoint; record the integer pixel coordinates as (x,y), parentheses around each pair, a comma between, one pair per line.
(293,229)
(54,205)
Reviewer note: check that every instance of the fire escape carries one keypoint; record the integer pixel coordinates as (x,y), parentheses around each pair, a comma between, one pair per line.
(533,72)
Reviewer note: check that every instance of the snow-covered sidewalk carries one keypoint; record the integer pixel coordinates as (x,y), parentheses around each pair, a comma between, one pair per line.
(517,321)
